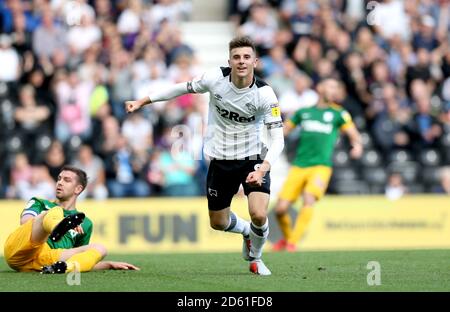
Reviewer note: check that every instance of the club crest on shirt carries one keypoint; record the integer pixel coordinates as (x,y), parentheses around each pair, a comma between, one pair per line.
(327,116)
(251,108)
(218,97)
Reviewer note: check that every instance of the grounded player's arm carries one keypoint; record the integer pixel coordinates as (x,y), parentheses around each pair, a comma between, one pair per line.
(162,95)
(114,265)
(355,141)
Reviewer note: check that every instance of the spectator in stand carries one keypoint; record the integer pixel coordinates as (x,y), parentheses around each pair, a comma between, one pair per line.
(395,189)
(9,60)
(444,187)
(20,172)
(390,126)
(49,36)
(138,132)
(55,159)
(301,96)
(40,185)
(425,129)
(261,27)
(127,173)
(93,166)
(72,96)
(32,119)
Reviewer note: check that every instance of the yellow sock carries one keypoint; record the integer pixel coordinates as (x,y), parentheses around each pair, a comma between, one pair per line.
(301,223)
(52,218)
(284,220)
(84,261)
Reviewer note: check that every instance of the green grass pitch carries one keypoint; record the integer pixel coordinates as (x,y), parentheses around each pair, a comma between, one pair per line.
(418,270)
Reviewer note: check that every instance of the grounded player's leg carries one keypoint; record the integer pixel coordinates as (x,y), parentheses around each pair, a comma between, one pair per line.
(51,219)
(303,219)
(81,259)
(259,230)
(38,233)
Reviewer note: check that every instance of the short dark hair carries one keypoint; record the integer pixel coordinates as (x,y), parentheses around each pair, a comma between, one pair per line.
(81,175)
(240,42)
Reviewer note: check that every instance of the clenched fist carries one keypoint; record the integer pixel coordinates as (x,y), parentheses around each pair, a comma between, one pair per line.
(131,106)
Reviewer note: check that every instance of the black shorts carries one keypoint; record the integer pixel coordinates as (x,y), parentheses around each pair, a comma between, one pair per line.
(225,177)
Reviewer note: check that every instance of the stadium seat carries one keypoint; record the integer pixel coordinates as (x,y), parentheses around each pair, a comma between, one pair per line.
(4,90)
(430,157)
(446,154)
(14,144)
(366,140)
(445,140)
(345,173)
(371,158)
(377,189)
(341,158)
(72,146)
(359,122)
(400,156)
(374,175)
(415,188)
(352,187)
(431,175)
(409,170)
(43,142)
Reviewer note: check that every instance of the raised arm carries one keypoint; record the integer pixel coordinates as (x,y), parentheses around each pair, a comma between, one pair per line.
(162,95)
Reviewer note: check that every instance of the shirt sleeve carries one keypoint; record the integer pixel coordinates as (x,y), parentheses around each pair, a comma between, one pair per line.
(296,118)
(345,120)
(203,83)
(271,107)
(33,207)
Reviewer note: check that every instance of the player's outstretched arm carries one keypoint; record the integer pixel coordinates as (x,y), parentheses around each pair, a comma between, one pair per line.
(163,95)
(355,142)
(115,265)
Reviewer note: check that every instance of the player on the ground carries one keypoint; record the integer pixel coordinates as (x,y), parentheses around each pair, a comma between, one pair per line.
(239,105)
(311,168)
(54,237)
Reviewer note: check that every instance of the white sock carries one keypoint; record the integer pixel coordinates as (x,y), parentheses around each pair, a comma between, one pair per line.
(238,225)
(258,236)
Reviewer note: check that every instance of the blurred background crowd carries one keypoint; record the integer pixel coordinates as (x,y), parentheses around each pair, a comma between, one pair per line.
(67,66)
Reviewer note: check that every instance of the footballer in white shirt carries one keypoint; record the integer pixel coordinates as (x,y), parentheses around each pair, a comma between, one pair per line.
(240,106)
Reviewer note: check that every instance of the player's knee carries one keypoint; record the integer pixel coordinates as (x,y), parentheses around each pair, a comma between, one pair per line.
(100,248)
(258,217)
(218,224)
(282,207)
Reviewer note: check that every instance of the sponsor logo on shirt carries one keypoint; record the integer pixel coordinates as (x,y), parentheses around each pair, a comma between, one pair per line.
(233,115)
(317,126)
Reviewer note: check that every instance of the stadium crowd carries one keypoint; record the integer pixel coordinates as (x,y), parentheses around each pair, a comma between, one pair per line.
(68,66)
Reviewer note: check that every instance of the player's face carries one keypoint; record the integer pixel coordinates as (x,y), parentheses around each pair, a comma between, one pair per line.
(242,61)
(67,185)
(330,90)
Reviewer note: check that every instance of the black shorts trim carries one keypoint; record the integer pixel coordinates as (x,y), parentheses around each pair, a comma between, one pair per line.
(226,176)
